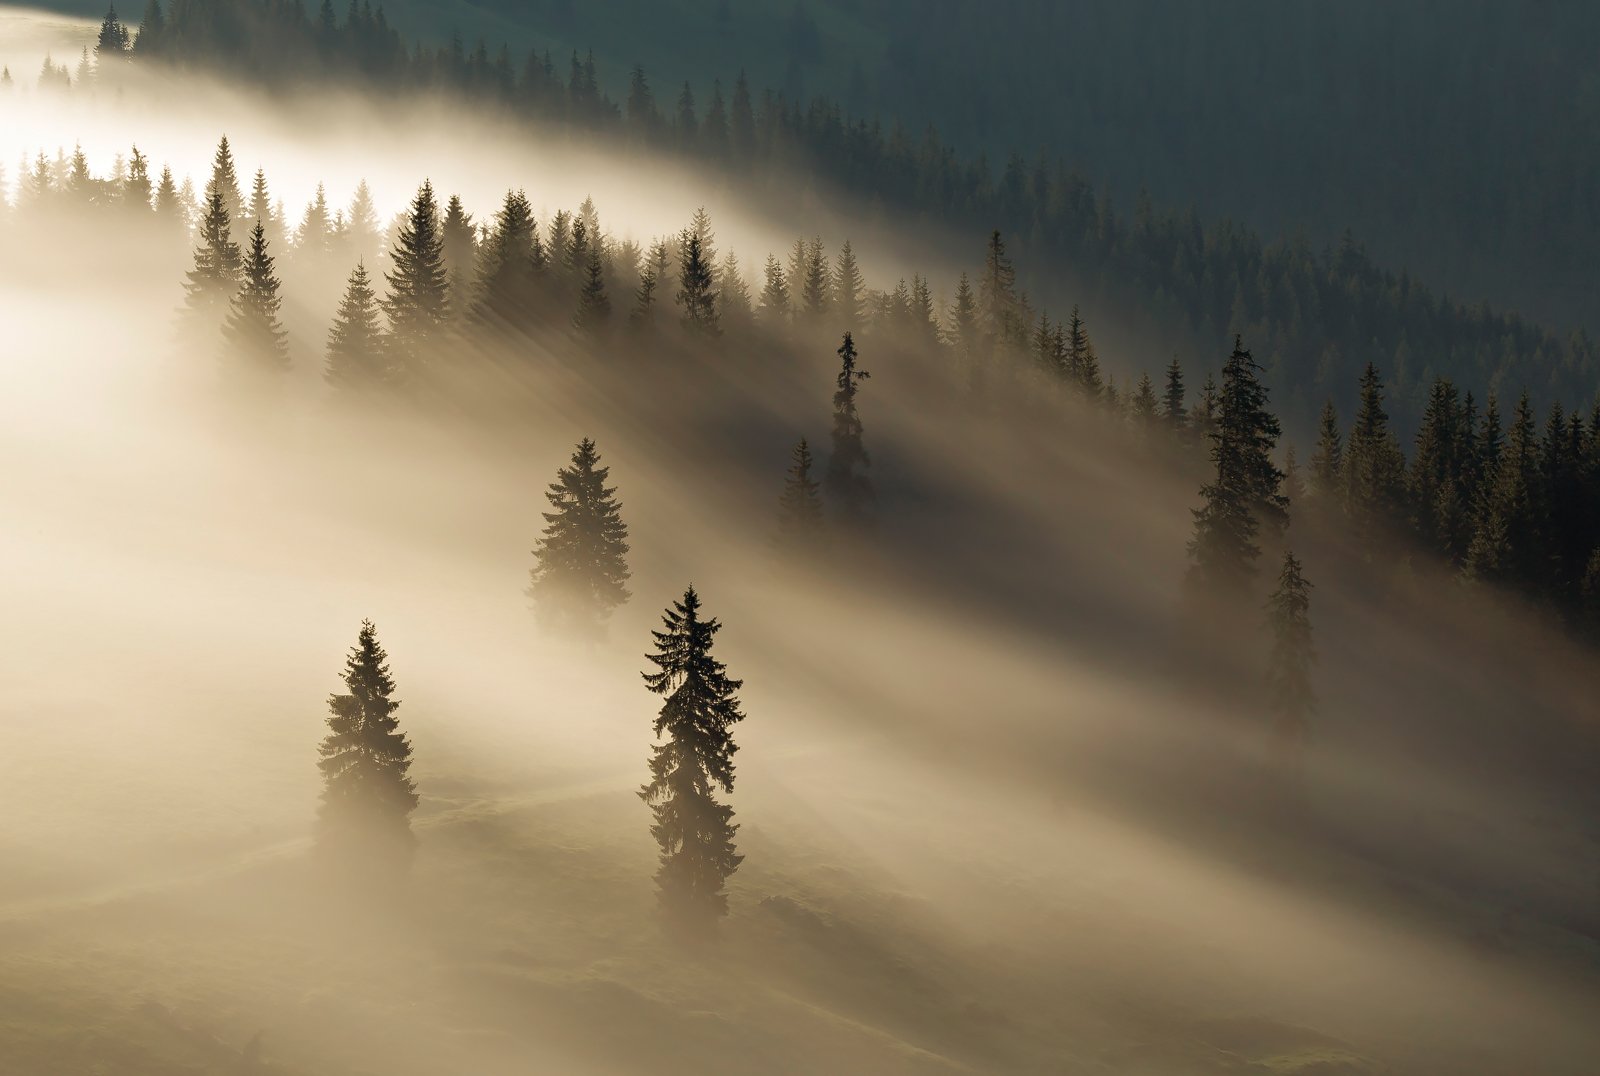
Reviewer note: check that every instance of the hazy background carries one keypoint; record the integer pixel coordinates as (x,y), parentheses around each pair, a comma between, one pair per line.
(992,820)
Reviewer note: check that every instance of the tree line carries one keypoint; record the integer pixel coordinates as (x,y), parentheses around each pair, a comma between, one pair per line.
(1318,316)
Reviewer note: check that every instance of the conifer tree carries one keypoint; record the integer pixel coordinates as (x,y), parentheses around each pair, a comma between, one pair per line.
(418,302)
(733,294)
(136,189)
(800,506)
(361,237)
(218,266)
(357,360)
(225,181)
(1435,479)
(694,832)
(151,28)
(580,561)
(1081,359)
(1244,497)
(696,284)
(1327,459)
(850,492)
(255,335)
(963,332)
(1144,409)
(924,318)
(168,207)
(508,269)
(460,249)
(775,309)
(261,206)
(1173,409)
(849,289)
(112,44)
(1374,468)
(1291,697)
(643,314)
(593,317)
(997,296)
(367,797)
(813,276)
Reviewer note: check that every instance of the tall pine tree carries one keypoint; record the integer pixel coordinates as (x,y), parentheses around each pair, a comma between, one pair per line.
(418,302)
(255,336)
(694,831)
(850,492)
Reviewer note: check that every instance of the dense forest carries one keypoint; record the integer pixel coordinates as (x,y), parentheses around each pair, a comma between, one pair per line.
(1317,314)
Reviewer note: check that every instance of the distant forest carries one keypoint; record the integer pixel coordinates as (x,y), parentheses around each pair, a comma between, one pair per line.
(1317,317)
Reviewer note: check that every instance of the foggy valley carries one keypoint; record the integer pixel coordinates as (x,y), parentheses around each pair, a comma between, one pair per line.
(1087,696)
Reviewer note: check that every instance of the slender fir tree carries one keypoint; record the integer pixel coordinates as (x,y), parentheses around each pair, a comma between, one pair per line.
(580,567)
(694,831)
(225,181)
(1327,459)
(255,335)
(800,507)
(367,797)
(1291,697)
(418,302)
(850,492)
(1173,409)
(509,269)
(696,287)
(593,317)
(849,289)
(218,267)
(357,360)
(1244,498)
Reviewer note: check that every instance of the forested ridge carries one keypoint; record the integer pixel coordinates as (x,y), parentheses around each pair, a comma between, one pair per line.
(1316,317)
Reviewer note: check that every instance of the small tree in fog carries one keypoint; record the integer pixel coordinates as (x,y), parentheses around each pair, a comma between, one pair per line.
(255,335)
(580,567)
(593,316)
(850,492)
(694,831)
(1291,698)
(367,797)
(800,506)
(697,283)
(357,359)
(218,265)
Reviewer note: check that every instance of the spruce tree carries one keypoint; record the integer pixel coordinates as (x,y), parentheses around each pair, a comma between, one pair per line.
(1244,498)
(357,359)
(593,317)
(695,760)
(1327,459)
(225,181)
(733,294)
(580,561)
(1081,359)
(113,41)
(800,507)
(849,289)
(261,206)
(508,296)
(696,284)
(1144,409)
(1173,409)
(218,266)
(367,797)
(1374,467)
(460,250)
(774,308)
(850,492)
(418,302)
(997,297)
(136,189)
(255,336)
(1291,697)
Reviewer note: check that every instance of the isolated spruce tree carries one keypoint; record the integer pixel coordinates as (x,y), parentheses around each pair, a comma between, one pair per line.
(255,335)
(800,507)
(696,287)
(367,797)
(1244,498)
(580,567)
(218,266)
(1291,698)
(418,302)
(593,317)
(357,361)
(849,489)
(695,760)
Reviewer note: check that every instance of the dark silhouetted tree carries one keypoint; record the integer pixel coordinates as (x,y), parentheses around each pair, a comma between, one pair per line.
(255,335)
(418,302)
(367,797)
(593,317)
(694,761)
(696,286)
(849,489)
(1291,698)
(218,266)
(580,567)
(357,359)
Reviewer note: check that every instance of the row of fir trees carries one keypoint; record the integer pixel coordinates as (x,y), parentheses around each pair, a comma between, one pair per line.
(1320,314)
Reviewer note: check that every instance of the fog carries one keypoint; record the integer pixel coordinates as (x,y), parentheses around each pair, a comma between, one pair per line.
(1000,812)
